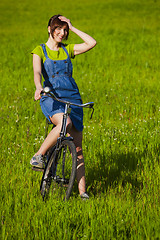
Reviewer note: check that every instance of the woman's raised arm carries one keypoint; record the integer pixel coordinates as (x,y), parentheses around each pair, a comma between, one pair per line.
(88,43)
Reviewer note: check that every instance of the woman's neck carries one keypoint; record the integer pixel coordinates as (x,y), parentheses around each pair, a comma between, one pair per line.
(53,45)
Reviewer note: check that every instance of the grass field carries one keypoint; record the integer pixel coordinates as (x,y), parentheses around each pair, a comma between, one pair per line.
(121,143)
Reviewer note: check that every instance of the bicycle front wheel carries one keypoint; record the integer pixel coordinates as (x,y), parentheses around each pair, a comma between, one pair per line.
(60,172)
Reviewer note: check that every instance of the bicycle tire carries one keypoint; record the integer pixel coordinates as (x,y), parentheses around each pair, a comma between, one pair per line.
(62,180)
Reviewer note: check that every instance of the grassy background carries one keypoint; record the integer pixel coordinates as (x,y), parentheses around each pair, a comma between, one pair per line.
(121,143)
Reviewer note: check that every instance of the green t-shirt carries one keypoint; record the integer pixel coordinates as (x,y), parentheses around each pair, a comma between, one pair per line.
(55,55)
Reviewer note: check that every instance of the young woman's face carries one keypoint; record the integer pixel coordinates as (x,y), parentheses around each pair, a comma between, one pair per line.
(59,34)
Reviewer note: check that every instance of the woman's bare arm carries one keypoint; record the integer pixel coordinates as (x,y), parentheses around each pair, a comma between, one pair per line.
(37,69)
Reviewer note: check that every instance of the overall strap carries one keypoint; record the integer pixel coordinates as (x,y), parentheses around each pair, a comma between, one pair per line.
(44,50)
(65,50)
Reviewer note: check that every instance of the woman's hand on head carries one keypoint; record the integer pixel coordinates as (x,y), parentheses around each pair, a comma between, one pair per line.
(37,95)
(64,19)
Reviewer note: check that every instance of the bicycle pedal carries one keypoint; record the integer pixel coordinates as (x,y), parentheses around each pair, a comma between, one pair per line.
(38,169)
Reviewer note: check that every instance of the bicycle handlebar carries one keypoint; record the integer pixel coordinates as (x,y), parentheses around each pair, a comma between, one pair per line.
(47,91)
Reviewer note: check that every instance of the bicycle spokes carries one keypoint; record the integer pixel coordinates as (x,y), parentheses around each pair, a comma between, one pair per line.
(62,166)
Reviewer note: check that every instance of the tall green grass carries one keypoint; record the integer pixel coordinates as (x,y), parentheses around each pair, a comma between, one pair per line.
(121,143)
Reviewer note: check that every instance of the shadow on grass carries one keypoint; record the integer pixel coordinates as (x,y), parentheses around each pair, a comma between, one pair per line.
(114,170)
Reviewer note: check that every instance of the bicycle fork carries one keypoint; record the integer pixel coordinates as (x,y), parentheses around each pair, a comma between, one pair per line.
(57,178)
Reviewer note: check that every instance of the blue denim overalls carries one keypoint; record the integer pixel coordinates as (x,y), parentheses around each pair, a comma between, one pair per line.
(58,76)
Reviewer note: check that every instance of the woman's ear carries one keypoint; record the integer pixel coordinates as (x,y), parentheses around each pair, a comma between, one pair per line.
(49,29)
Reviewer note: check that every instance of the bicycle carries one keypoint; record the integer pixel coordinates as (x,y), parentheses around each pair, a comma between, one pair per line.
(61,163)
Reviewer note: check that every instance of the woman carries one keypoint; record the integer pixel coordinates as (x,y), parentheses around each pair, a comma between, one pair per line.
(52,59)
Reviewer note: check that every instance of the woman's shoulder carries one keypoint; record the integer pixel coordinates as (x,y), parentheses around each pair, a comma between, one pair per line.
(38,51)
(70,49)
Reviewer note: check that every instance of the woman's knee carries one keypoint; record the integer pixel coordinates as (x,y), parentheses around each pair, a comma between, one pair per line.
(57,119)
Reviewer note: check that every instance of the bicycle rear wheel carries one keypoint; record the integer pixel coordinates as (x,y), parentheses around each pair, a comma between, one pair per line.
(60,172)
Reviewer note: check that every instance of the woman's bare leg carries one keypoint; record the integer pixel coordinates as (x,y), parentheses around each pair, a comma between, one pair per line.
(54,133)
(80,175)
